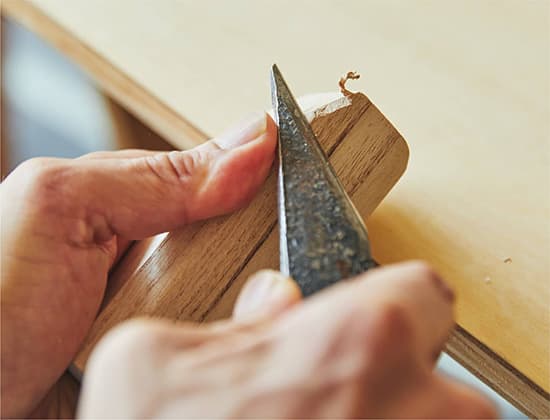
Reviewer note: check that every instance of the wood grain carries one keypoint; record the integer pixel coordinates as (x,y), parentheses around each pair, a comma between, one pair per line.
(476,190)
(503,377)
(195,272)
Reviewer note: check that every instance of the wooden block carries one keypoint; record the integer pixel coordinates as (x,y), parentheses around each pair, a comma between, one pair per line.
(476,190)
(195,273)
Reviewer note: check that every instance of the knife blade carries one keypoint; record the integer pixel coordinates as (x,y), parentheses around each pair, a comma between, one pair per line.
(322,237)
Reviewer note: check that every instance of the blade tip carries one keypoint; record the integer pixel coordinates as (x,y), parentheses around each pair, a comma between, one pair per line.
(276,73)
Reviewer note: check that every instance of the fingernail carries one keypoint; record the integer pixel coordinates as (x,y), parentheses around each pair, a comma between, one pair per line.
(262,290)
(250,128)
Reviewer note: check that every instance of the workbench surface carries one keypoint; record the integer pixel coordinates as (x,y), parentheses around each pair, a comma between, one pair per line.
(467,84)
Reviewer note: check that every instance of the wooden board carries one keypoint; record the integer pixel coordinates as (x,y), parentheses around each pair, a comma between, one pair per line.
(466,83)
(165,282)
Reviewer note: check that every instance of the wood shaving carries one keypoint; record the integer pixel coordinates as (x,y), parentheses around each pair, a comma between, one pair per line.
(507,260)
(342,83)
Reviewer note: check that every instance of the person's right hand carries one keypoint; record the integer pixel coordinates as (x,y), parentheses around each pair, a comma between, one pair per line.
(363,348)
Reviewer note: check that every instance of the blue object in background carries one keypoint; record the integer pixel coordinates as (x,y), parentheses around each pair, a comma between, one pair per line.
(51,106)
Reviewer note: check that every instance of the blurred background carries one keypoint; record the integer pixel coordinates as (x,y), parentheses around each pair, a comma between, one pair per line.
(51,108)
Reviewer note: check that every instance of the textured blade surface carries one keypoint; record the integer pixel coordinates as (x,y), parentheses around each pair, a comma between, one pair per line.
(322,237)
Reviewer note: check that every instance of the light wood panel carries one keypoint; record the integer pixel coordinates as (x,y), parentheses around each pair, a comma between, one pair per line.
(467,83)
(503,377)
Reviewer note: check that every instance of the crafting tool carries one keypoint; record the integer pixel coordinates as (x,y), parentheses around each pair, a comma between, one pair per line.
(322,237)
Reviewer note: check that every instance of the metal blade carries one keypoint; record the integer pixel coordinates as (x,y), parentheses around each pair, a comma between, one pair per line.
(322,237)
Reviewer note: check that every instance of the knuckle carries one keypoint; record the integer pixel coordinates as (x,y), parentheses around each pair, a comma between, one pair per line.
(391,329)
(42,179)
(130,349)
(124,339)
(422,274)
(177,166)
(37,169)
(394,318)
(188,164)
(135,332)
(422,270)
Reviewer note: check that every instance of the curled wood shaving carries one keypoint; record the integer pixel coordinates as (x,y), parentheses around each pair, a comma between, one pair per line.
(342,83)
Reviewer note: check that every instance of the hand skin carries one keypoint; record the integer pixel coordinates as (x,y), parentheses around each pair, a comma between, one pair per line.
(364,348)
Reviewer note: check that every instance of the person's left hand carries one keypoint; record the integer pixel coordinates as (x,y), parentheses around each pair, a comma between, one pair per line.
(65,222)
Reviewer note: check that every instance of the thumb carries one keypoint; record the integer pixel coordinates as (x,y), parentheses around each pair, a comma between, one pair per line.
(266,293)
(141,196)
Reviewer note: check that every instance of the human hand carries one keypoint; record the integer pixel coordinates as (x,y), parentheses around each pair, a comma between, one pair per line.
(363,348)
(65,222)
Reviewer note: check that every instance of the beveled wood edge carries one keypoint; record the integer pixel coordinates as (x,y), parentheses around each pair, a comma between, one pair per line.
(130,94)
(498,374)
(462,346)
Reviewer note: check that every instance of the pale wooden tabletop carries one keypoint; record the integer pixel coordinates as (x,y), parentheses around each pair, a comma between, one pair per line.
(466,83)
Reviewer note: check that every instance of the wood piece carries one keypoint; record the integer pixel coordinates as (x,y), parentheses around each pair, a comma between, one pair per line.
(196,271)
(501,376)
(343,80)
(476,188)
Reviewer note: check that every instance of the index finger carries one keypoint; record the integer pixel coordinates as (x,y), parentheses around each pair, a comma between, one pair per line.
(401,309)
